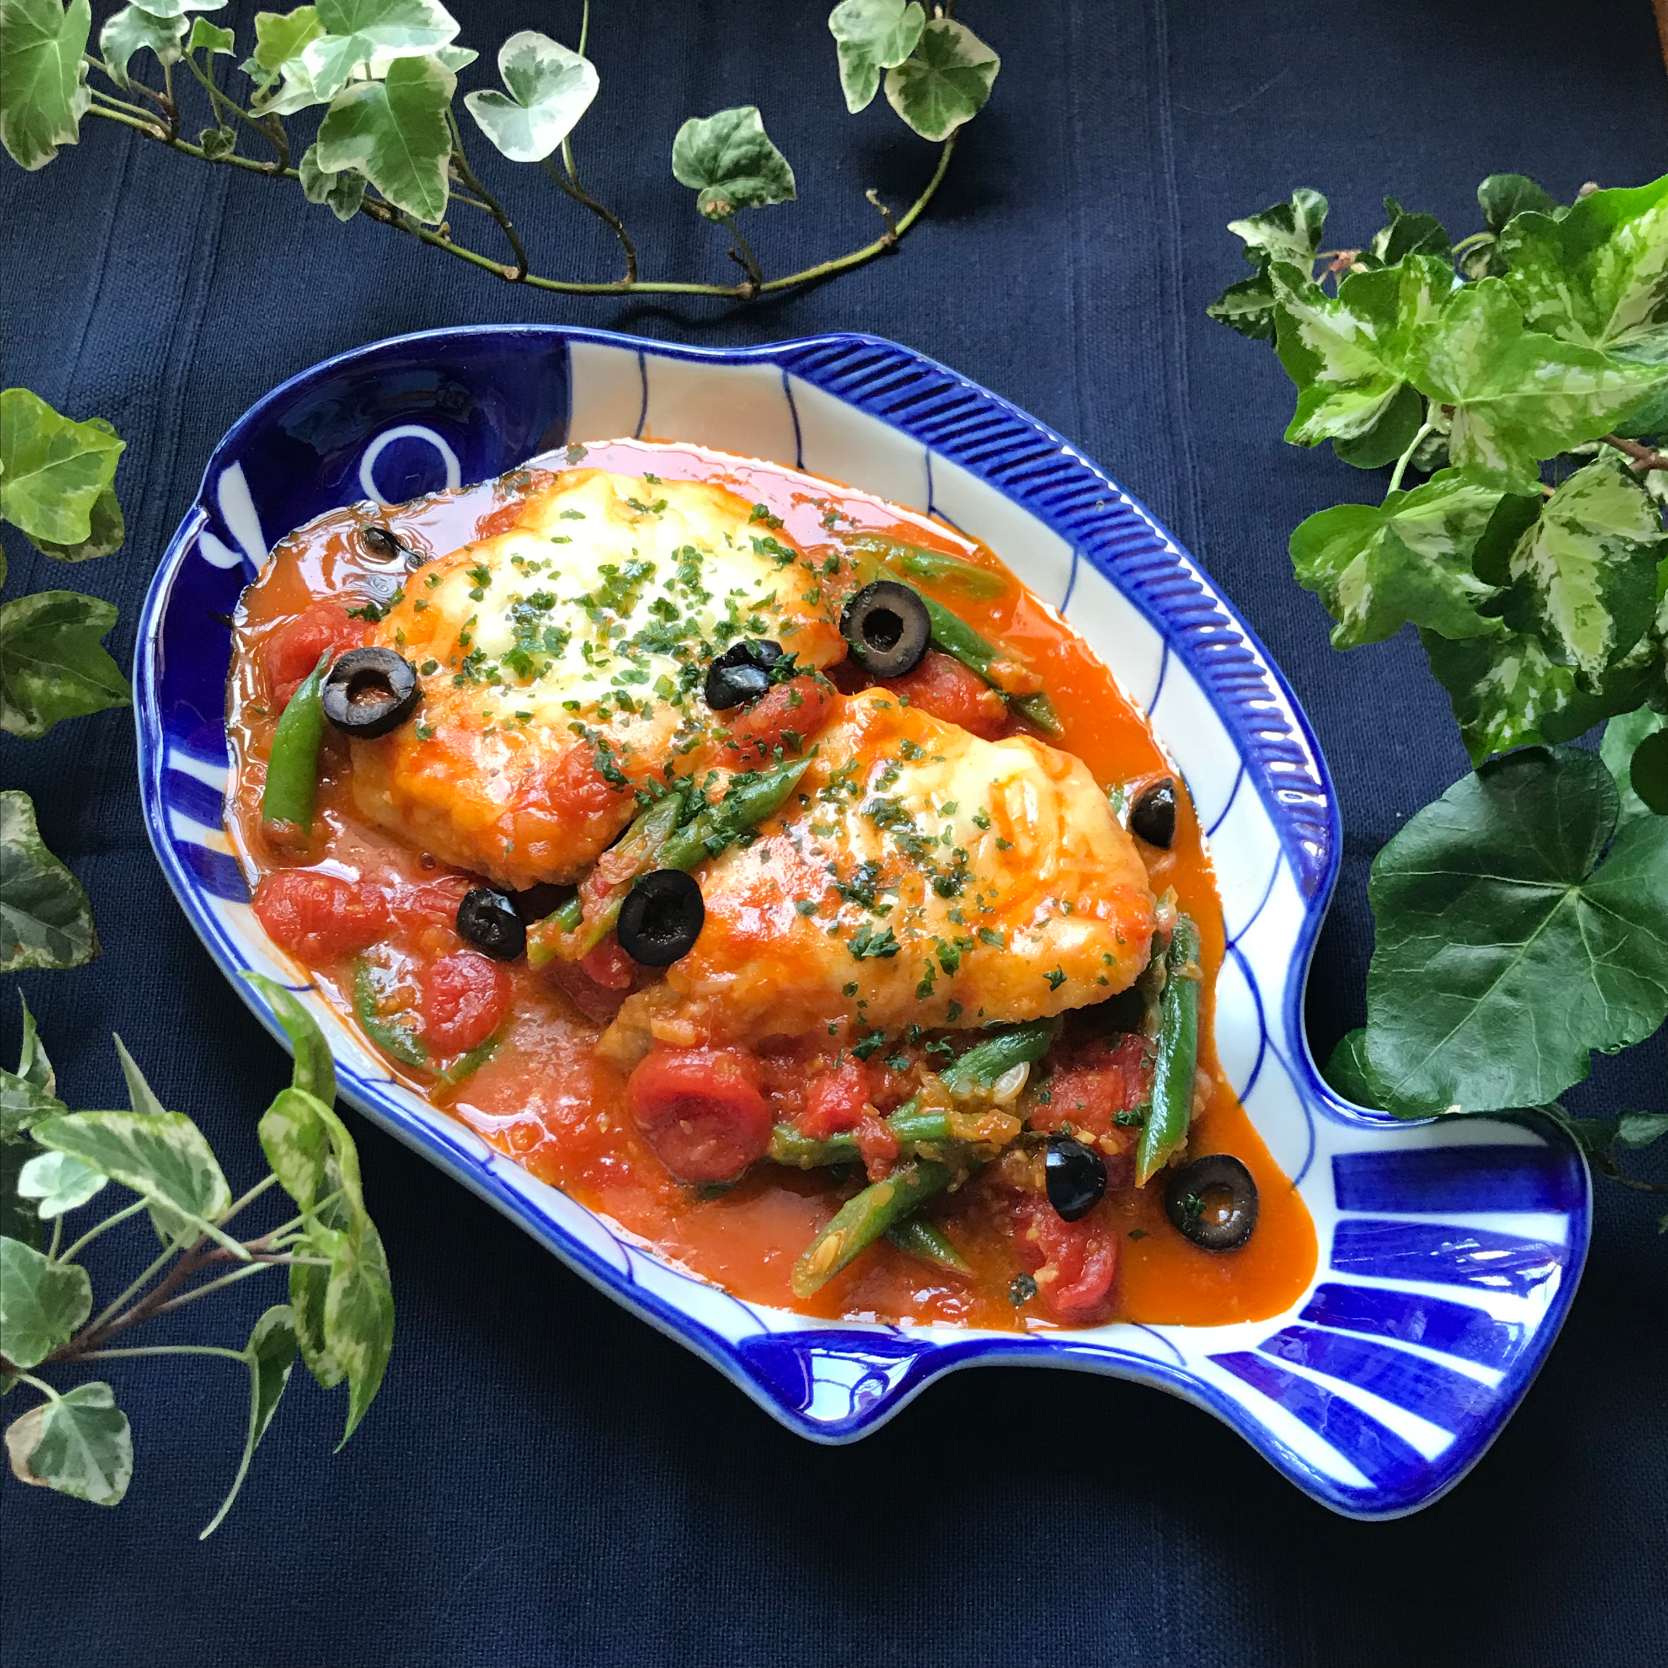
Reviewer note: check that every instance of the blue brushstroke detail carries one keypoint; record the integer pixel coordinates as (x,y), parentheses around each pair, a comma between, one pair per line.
(1262,904)
(1470,1179)
(1374,1449)
(1444,1255)
(1158,688)
(1071,586)
(1436,1393)
(1454,1329)
(793,411)
(643,409)
(215,871)
(194,798)
(926,453)
(1233,794)
(1262,1029)
(1153,1332)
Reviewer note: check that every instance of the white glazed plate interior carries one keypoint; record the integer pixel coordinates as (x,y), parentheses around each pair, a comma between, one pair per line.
(1449,1251)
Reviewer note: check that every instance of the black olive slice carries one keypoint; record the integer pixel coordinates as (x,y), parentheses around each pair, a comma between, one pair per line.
(541,900)
(381,543)
(369,692)
(1212,1202)
(888,628)
(1076,1177)
(741,673)
(1153,815)
(662,917)
(488,920)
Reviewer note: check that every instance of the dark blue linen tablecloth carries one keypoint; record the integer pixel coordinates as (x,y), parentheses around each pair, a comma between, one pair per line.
(545,1479)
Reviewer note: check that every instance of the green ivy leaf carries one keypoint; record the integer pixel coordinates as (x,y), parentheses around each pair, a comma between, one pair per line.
(359,1316)
(53,470)
(1584,575)
(1289,232)
(1348,1072)
(208,37)
(1598,275)
(52,666)
(41,1302)
(32,1064)
(43,78)
(162,1156)
(871,36)
(1407,234)
(395,133)
(1502,197)
(141,1096)
(1640,1129)
(133,30)
(183,8)
(1378,567)
(1347,354)
(1506,691)
(377,33)
(728,159)
(550,89)
(1648,774)
(78,1444)
(1505,950)
(59,1183)
(218,143)
(24,1103)
(946,82)
(344,192)
(270,1354)
(1623,736)
(44,917)
(279,37)
(315,1071)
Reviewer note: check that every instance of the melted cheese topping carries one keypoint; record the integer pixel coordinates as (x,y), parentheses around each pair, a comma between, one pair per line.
(924,876)
(562,661)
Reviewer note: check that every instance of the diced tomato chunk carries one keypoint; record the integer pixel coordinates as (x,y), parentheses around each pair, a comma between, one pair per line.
(577,788)
(319,917)
(837,1100)
(879,1147)
(701,1111)
(787,717)
(1093,1083)
(608,965)
(293,650)
(1073,1263)
(465,997)
(948,690)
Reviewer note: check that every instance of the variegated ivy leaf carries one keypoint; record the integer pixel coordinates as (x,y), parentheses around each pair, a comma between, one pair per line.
(270,1354)
(210,38)
(58,1183)
(1598,275)
(1348,354)
(106,528)
(1378,567)
(1290,232)
(550,89)
(728,159)
(1583,576)
(133,30)
(52,665)
(41,1302)
(53,470)
(395,133)
(344,192)
(183,8)
(359,1316)
(279,37)
(945,82)
(43,77)
(871,36)
(79,1445)
(1519,395)
(44,917)
(1507,692)
(315,1071)
(33,1066)
(162,1156)
(374,33)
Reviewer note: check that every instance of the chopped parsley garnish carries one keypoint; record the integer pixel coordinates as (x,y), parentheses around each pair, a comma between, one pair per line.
(867,944)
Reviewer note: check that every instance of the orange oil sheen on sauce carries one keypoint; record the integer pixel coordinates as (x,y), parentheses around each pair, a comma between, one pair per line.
(548,1101)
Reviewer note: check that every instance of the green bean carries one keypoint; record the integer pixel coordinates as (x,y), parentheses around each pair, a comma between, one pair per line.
(644,842)
(933,566)
(748,800)
(926,1240)
(393,1040)
(978,1067)
(292,770)
(1178,1054)
(862,1219)
(468,1064)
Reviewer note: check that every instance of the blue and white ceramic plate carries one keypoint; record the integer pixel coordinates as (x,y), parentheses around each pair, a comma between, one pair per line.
(1449,1250)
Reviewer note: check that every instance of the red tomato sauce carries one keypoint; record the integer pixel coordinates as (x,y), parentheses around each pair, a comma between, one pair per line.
(545,1098)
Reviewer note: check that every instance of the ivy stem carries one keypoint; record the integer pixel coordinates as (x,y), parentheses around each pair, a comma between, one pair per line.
(255,1267)
(219,99)
(174,1248)
(162,1349)
(57,1234)
(1471,242)
(1407,457)
(494,207)
(99,1227)
(1644,459)
(585,200)
(239,1205)
(119,103)
(748,261)
(39,1384)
